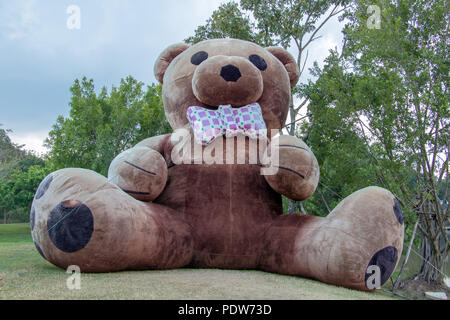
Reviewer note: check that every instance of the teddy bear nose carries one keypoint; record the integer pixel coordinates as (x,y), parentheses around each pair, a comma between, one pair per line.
(230,73)
(221,80)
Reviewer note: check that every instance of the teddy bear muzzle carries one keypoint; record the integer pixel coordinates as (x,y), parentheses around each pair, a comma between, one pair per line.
(222,80)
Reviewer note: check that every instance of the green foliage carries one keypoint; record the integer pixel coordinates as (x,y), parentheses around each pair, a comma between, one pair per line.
(379,113)
(267,22)
(19,189)
(228,21)
(19,215)
(402,77)
(9,151)
(332,133)
(281,21)
(100,126)
(20,174)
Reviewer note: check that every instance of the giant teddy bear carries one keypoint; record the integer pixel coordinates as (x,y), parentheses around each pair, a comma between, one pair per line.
(153,212)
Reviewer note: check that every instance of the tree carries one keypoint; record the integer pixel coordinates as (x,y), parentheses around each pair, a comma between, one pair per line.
(228,21)
(100,126)
(9,151)
(390,89)
(342,154)
(20,174)
(17,192)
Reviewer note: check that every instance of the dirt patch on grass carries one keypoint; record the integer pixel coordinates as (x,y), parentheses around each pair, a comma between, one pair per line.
(415,289)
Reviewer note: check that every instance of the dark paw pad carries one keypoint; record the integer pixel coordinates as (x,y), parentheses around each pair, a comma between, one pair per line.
(39,250)
(70,227)
(43,186)
(398,211)
(386,260)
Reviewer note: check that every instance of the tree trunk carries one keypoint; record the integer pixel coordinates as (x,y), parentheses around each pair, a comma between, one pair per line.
(291,206)
(323,200)
(434,246)
(302,208)
(5,216)
(397,282)
(433,261)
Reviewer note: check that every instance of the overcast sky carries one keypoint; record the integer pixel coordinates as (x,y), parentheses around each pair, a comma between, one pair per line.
(40,56)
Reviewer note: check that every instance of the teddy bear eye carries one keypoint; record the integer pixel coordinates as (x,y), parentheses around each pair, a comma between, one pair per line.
(199,57)
(259,62)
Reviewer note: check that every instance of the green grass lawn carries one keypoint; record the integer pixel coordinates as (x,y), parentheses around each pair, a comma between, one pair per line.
(26,275)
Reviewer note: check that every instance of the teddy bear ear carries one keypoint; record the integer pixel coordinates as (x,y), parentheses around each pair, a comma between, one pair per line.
(166,57)
(289,63)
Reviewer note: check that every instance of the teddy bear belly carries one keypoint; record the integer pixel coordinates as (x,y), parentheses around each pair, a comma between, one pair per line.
(228,208)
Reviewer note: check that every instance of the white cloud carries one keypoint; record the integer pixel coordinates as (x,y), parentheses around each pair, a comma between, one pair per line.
(31,140)
(18,21)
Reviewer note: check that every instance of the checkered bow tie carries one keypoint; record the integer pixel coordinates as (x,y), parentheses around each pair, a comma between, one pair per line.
(211,124)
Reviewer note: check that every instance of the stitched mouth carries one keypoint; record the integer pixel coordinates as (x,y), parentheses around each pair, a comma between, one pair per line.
(209,107)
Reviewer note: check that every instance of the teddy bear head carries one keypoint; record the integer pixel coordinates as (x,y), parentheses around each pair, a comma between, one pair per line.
(226,72)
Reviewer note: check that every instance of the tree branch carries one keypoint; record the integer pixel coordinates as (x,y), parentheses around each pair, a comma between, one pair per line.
(332,14)
(294,122)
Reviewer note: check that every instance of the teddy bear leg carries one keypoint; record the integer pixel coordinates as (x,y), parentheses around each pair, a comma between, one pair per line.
(79,218)
(358,245)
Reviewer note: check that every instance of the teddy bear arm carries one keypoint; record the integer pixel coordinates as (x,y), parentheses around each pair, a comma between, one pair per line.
(142,170)
(296,173)
(157,143)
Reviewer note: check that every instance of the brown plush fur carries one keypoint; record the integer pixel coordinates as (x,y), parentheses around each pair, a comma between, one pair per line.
(216,215)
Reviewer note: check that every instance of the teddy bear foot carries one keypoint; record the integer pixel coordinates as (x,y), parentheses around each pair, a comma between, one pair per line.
(358,245)
(79,218)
